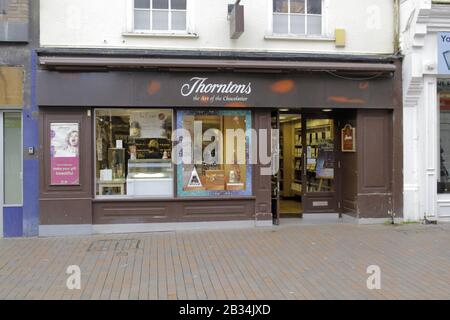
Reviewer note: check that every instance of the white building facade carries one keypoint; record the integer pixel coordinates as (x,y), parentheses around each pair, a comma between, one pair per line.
(424,29)
(203,25)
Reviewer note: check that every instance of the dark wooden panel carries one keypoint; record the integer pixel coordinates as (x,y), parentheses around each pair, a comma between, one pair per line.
(374,143)
(320,203)
(374,206)
(163,89)
(348,169)
(263,183)
(129,211)
(75,201)
(135,212)
(374,163)
(220,210)
(65,211)
(397,146)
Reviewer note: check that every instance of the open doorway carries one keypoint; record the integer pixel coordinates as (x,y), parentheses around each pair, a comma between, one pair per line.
(291,165)
(306,179)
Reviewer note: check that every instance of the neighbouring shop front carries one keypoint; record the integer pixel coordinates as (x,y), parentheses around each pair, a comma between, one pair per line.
(125,147)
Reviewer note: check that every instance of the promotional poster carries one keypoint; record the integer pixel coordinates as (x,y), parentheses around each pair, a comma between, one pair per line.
(64,147)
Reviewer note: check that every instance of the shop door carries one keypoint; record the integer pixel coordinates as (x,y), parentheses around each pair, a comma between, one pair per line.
(319,169)
(275,166)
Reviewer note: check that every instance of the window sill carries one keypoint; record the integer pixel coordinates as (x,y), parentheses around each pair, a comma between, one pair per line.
(171,199)
(299,38)
(159,35)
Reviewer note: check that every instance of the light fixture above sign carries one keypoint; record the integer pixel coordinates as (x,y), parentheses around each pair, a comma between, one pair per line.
(236,18)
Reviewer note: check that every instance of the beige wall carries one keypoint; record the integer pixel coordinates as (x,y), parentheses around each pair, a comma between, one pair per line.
(369,27)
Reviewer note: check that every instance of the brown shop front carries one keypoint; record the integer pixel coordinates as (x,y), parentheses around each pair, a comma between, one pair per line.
(107,145)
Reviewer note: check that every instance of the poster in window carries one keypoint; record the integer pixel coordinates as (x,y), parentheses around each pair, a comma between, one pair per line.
(443,51)
(325,161)
(348,139)
(150,124)
(64,153)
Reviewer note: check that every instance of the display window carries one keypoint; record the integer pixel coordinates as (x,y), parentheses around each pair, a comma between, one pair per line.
(133,152)
(443,184)
(213,153)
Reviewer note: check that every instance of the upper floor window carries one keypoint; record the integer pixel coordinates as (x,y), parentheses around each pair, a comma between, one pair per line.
(297,17)
(160,15)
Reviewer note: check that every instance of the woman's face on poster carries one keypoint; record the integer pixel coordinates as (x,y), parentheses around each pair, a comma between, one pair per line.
(73,139)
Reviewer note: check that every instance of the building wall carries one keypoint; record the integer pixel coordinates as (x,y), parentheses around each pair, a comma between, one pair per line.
(369,27)
(420,22)
(20,17)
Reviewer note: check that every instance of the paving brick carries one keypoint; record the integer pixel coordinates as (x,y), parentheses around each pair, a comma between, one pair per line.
(286,262)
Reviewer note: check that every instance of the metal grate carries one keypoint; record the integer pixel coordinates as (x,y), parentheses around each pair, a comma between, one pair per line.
(114,245)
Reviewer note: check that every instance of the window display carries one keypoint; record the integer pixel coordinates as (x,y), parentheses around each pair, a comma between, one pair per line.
(216,161)
(443,184)
(133,152)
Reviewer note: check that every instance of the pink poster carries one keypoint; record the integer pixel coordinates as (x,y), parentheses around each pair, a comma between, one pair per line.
(64,149)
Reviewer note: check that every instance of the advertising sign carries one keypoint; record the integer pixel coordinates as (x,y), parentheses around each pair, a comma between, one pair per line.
(64,153)
(150,124)
(443,52)
(348,138)
(325,161)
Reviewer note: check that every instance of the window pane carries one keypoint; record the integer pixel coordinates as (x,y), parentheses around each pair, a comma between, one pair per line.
(315,6)
(179,20)
(215,162)
(12,128)
(142,4)
(297,24)
(444,147)
(178,4)
(280,23)
(315,25)
(320,155)
(160,4)
(141,19)
(281,6)
(298,6)
(133,152)
(160,20)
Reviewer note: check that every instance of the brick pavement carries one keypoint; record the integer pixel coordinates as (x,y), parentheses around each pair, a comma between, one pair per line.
(287,262)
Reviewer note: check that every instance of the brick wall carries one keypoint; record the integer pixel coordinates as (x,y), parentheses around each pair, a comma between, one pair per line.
(14,10)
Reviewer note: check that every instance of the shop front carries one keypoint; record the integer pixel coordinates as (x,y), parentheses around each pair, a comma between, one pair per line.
(126,150)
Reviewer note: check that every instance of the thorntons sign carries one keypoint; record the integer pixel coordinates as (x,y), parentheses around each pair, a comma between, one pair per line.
(201,90)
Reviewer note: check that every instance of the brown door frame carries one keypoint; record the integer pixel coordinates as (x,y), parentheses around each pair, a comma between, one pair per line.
(326,202)
(275,193)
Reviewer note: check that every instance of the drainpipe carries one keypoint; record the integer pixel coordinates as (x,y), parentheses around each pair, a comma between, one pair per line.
(396,5)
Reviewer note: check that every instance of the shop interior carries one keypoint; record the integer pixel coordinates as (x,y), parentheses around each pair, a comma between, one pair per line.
(306,155)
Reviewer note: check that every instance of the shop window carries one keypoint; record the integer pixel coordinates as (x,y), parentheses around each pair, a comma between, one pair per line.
(213,153)
(160,15)
(297,17)
(444,137)
(12,161)
(133,153)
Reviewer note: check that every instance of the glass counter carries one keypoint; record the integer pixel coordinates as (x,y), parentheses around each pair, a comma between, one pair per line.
(150,177)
